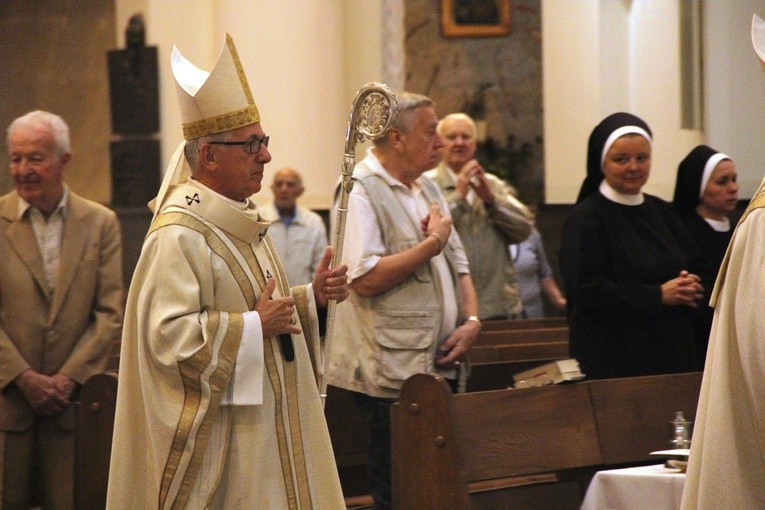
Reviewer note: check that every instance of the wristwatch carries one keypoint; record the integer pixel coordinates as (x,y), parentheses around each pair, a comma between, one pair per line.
(474,318)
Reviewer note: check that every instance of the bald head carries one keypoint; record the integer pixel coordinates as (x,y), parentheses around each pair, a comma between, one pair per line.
(457,118)
(287,186)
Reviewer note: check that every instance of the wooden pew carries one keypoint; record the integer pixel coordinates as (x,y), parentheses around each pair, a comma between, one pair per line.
(522,336)
(633,415)
(94,422)
(524,344)
(533,348)
(506,348)
(507,324)
(533,448)
(498,354)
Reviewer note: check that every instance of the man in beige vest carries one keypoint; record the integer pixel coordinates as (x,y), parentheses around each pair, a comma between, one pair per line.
(60,310)
(412,306)
(218,404)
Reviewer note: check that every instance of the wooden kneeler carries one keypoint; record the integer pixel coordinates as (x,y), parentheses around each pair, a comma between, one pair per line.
(94,423)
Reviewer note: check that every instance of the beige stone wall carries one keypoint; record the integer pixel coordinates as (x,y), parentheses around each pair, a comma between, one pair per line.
(508,70)
(53,57)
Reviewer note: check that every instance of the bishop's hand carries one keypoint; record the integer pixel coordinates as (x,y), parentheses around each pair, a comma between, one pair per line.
(276,314)
(330,284)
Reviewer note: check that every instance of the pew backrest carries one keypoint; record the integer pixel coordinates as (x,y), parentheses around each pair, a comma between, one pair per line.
(447,447)
(94,425)
(633,414)
(498,354)
(508,324)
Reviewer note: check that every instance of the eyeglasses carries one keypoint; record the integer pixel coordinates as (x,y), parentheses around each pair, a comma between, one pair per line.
(251,146)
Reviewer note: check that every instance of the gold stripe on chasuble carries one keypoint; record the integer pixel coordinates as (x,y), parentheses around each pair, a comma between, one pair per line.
(193,370)
(216,244)
(218,384)
(300,294)
(289,390)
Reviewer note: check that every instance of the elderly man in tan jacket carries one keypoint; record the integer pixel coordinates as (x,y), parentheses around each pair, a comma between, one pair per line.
(60,310)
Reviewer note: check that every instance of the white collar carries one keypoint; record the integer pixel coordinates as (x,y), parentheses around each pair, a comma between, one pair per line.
(378,169)
(620,198)
(719,225)
(63,205)
(248,206)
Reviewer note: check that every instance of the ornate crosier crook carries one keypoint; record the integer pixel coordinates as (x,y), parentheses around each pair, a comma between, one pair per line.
(372,112)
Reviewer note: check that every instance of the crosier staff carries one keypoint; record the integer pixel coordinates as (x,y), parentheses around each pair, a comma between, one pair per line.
(372,112)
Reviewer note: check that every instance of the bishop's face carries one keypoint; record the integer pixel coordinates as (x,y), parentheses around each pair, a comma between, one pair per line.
(627,164)
(238,174)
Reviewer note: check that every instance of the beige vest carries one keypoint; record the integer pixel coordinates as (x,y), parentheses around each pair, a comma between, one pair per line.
(382,340)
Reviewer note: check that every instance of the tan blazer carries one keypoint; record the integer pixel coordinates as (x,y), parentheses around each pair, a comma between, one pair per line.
(71,332)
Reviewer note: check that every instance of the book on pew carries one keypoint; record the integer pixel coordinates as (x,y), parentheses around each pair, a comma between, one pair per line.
(554,372)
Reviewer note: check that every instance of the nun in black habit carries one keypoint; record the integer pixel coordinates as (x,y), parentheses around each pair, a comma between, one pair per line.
(706,193)
(628,263)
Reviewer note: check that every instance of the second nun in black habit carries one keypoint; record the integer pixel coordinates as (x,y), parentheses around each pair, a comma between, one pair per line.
(706,193)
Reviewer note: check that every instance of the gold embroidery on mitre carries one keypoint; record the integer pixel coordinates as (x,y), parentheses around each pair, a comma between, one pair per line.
(227,121)
(240,71)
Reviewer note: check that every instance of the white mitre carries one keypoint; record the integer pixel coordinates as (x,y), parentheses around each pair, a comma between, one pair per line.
(210,103)
(758,36)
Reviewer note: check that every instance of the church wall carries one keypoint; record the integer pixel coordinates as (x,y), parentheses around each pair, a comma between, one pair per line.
(589,71)
(568,83)
(734,88)
(52,57)
(496,79)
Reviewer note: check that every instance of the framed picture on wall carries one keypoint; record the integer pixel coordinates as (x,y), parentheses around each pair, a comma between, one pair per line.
(475,18)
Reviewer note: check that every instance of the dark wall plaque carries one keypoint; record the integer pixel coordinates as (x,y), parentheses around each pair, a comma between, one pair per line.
(135,171)
(133,90)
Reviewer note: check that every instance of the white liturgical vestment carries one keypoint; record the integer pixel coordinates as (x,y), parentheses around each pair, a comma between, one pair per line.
(209,414)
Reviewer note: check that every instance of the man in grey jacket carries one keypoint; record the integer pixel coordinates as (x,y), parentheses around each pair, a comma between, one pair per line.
(487,217)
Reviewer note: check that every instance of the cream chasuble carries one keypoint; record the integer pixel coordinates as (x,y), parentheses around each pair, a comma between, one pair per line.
(726,466)
(202,266)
